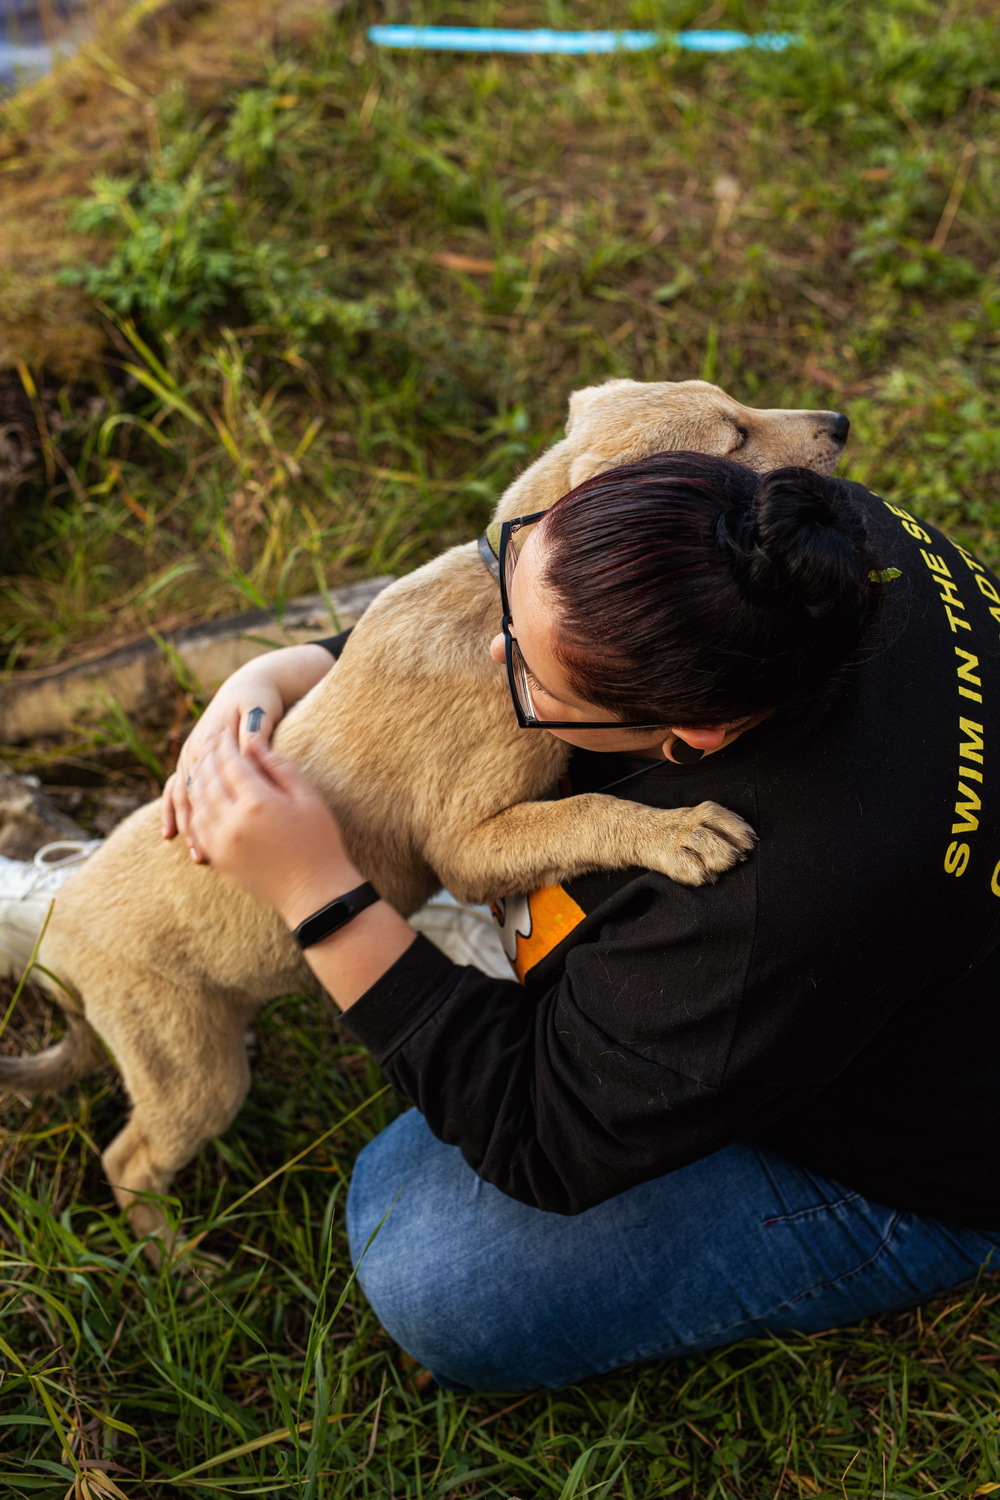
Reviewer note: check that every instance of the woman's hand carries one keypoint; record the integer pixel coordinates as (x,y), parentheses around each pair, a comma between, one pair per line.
(249,710)
(250,704)
(260,822)
(256,819)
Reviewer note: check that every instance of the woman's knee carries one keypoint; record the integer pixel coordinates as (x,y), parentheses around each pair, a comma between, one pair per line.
(403,1196)
(424,1235)
(393,1181)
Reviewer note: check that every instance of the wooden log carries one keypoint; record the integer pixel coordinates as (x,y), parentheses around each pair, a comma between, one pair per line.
(47,704)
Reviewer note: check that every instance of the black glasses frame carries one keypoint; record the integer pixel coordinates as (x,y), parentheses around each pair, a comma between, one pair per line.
(508,530)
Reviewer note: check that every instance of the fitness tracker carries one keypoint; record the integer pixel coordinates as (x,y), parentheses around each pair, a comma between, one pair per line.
(330,918)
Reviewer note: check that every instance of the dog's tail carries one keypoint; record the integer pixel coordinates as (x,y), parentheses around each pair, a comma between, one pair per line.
(77,1053)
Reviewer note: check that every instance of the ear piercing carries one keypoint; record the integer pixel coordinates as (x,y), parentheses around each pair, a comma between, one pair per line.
(685,754)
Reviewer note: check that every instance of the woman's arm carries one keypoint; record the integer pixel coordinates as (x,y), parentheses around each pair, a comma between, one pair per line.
(250,703)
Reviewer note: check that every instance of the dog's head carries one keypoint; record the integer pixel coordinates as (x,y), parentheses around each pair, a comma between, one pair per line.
(623,420)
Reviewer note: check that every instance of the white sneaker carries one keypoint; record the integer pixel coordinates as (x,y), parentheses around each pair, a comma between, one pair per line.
(26,892)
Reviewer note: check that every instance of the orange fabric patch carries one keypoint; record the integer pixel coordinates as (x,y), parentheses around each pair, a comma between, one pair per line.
(552,914)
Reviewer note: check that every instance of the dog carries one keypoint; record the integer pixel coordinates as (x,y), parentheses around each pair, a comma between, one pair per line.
(412,740)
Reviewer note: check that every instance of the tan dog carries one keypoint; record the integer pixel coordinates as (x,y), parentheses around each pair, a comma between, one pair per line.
(413,741)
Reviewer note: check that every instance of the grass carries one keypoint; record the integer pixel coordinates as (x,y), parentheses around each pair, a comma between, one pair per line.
(343,299)
(288,310)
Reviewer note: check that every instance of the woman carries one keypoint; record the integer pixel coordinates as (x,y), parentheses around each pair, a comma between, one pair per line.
(764,1106)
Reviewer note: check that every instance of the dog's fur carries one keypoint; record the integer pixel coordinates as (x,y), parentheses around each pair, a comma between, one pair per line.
(413,741)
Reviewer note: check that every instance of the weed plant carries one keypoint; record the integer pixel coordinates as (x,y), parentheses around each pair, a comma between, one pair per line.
(342,306)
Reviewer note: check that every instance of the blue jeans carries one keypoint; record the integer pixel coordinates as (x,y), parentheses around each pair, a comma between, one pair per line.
(492,1295)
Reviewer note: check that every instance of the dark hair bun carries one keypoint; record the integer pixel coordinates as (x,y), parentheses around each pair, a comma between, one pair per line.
(692,590)
(809,546)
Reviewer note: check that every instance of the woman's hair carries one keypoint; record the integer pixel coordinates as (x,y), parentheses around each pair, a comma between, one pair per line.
(693,591)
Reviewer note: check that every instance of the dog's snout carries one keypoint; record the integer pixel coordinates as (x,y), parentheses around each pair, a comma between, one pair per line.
(839,427)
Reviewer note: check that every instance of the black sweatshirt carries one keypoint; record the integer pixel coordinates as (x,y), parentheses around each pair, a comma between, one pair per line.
(836,997)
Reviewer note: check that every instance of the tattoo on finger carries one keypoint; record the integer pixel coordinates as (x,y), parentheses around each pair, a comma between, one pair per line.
(255,719)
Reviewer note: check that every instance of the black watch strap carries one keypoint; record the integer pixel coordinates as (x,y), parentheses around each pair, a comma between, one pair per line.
(329,919)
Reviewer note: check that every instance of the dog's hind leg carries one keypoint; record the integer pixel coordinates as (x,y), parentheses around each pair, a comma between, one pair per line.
(182,1096)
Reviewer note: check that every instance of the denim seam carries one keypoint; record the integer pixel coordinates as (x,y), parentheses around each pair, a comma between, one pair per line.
(822,1286)
(809,1213)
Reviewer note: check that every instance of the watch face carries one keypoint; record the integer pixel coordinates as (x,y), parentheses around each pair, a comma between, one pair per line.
(323,923)
(329,919)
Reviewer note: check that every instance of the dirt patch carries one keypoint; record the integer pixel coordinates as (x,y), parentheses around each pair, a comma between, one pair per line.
(97,113)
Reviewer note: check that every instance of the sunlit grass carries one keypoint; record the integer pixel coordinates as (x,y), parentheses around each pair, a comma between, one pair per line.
(346,301)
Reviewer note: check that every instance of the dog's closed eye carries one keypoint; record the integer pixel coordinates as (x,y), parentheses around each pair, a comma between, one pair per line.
(742,437)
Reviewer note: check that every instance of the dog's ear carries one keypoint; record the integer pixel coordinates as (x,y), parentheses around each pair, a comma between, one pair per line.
(581,402)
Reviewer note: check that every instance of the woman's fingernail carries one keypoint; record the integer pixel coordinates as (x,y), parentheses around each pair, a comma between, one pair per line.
(194,855)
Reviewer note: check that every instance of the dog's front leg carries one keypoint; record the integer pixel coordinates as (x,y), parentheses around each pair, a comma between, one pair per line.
(542,843)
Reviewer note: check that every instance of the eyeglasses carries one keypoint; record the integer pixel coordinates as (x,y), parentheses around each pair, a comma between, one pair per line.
(518,676)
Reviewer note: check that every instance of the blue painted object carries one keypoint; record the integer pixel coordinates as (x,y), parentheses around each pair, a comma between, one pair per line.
(490,39)
(27,27)
(19,63)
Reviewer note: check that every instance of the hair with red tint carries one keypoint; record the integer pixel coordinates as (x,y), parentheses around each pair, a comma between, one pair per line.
(692,591)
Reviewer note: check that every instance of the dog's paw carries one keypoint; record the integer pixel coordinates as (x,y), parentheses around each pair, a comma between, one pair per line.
(705,841)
